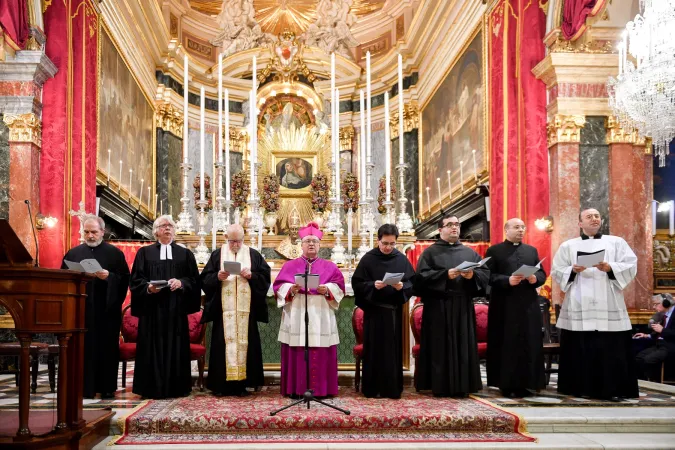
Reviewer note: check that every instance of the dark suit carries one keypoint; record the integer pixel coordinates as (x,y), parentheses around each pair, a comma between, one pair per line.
(649,360)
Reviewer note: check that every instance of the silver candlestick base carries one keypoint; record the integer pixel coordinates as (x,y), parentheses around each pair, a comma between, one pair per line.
(202,251)
(338,254)
(335,218)
(403,221)
(184,225)
(389,215)
(363,230)
(220,218)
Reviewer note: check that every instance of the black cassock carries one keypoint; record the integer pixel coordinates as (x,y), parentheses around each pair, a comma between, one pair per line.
(382,328)
(162,368)
(448,363)
(515,358)
(102,316)
(213,311)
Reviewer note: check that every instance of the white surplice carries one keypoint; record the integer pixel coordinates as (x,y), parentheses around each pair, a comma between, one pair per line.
(593,301)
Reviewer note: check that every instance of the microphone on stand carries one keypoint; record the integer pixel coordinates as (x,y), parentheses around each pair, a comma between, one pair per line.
(32,224)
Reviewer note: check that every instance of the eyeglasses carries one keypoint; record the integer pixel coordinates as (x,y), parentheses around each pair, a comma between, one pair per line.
(451,225)
(311,242)
(235,241)
(166,225)
(388,244)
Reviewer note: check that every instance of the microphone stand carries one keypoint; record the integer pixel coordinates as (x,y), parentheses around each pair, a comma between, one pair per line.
(308,396)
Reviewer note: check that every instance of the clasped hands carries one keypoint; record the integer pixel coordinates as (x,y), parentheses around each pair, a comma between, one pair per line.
(381,284)
(224,274)
(454,273)
(603,266)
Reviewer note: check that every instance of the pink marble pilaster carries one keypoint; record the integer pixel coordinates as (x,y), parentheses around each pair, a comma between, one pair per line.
(24,175)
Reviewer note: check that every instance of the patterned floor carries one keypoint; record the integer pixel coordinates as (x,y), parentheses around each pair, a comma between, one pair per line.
(124,398)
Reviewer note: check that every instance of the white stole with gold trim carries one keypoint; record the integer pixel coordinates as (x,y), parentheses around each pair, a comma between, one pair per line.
(236,302)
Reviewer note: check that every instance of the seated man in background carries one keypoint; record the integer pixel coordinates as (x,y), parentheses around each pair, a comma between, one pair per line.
(662,325)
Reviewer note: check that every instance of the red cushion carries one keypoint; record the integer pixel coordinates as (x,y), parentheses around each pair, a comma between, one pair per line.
(417,322)
(358,350)
(129,326)
(482,349)
(197,350)
(357,324)
(195,327)
(481,322)
(127,351)
(416,350)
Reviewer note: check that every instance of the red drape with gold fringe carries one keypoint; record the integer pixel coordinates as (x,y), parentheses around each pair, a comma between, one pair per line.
(519,184)
(69,127)
(14,21)
(129,249)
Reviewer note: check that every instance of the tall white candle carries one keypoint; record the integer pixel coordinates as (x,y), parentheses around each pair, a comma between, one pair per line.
(108,167)
(349,232)
(400,110)
(461,176)
(130,173)
(156,198)
(140,193)
(362,147)
(369,154)
(220,109)
(450,184)
(254,75)
(337,144)
(475,171)
(387,147)
(625,49)
(251,128)
(260,229)
(440,196)
(227,145)
(428,200)
(213,235)
(171,210)
(421,203)
(371,236)
(202,136)
(671,222)
(119,179)
(161,207)
(185,109)
(149,198)
(412,202)
(654,217)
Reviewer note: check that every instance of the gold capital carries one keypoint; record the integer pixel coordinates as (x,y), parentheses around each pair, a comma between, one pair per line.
(346,137)
(565,129)
(411,119)
(617,134)
(238,139)
(170,118)
(24,128)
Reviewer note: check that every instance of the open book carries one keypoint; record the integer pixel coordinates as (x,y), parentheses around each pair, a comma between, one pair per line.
(468,265)
(525,270)
(312,280)
(86,265)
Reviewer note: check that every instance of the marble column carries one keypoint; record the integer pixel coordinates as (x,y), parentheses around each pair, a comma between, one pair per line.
(564,136)
(630,195)
(411,124)
(593,169)
(169,158)
(4,171)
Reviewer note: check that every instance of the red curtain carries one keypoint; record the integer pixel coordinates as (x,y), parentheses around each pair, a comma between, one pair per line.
(519,183)
(414,253)
(129,249)
(574,16)
(14,20)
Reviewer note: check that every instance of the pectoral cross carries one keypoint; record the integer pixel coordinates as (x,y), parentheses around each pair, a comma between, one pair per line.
(80,213)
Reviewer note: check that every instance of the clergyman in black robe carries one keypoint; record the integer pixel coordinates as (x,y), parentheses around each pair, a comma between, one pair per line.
(103,308)
(246,291)
(162,367)
(382,307)
(515,358)
(448,363)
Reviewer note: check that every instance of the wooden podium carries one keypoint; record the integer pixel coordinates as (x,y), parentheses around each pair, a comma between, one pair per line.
(46,301)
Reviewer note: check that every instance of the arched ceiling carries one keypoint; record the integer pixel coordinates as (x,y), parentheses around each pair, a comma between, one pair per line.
(296,15)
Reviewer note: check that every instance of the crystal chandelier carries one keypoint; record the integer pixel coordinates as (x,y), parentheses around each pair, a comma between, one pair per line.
(643,94)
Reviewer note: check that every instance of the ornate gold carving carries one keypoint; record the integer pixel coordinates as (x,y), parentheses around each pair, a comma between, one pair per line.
(170,118)
(46,4)
(24,128)
(562,45)
(616,134)
(565,129)
(238,139)
(286,62)
(346,138)
(33,44)
(411,119)
(289,250)
(173,25)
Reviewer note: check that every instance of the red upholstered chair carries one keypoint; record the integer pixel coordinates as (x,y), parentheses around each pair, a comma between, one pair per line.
(128,338)
(481,328)
(197,344)
(357,326)
(416,327)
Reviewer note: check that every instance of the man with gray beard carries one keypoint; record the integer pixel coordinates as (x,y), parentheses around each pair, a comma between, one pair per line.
(103,308)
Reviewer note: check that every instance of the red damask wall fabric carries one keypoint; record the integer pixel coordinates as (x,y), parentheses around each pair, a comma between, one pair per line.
(574,16)
(415,252)
(14,20)
(519,182)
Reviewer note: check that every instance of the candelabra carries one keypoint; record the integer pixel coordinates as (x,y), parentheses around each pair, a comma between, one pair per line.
(389,216)
(334,221)
(363,230)
(184,225)
(254,219)
(221,213)
(350,266)
(202,251)
(404,221)
(338,254)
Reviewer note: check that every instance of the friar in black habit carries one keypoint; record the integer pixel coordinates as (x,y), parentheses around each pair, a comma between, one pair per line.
(382,306)
(235,303)
(448,361)
(515,359)
(103,308)
(162,368)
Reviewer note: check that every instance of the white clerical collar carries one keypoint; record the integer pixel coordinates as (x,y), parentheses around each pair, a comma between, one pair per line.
(165,252)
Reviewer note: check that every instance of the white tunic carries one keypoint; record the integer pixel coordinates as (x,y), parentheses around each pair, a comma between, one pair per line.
(593,301)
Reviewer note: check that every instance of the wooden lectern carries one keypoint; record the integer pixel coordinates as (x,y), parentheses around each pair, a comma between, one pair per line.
(46,301)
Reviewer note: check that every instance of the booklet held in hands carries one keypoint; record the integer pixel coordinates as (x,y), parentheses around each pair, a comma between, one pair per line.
(312,280)
(86,265)
(159,284)
(468,265)
(232,267)
(526,271)
(391,279)
(586,259)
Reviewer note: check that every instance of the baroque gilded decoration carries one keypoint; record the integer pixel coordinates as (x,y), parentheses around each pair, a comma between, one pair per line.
(24,128)
(170,118)
(565,129)
(411,119)
(346,138)
(286,62)
(561,45)
(238,139)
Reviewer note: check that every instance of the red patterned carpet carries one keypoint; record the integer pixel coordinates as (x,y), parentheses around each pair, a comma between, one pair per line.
(204,418)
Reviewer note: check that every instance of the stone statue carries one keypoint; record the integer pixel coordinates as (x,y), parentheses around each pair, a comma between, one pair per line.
(238,28)
(331,30)
(286,116)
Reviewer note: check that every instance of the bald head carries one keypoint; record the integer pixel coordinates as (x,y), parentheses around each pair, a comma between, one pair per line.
(514,230)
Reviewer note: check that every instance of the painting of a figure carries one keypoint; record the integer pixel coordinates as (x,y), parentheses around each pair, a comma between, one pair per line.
(294,173)
(453,124)
(125,124)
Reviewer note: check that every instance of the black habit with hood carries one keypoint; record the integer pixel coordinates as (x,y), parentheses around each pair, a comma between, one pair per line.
(382,324)
(448,363)
(213,312)
(515,358)
(102,316)
(162,368)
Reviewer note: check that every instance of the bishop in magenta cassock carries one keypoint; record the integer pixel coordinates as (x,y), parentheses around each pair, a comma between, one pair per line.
(321,305)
